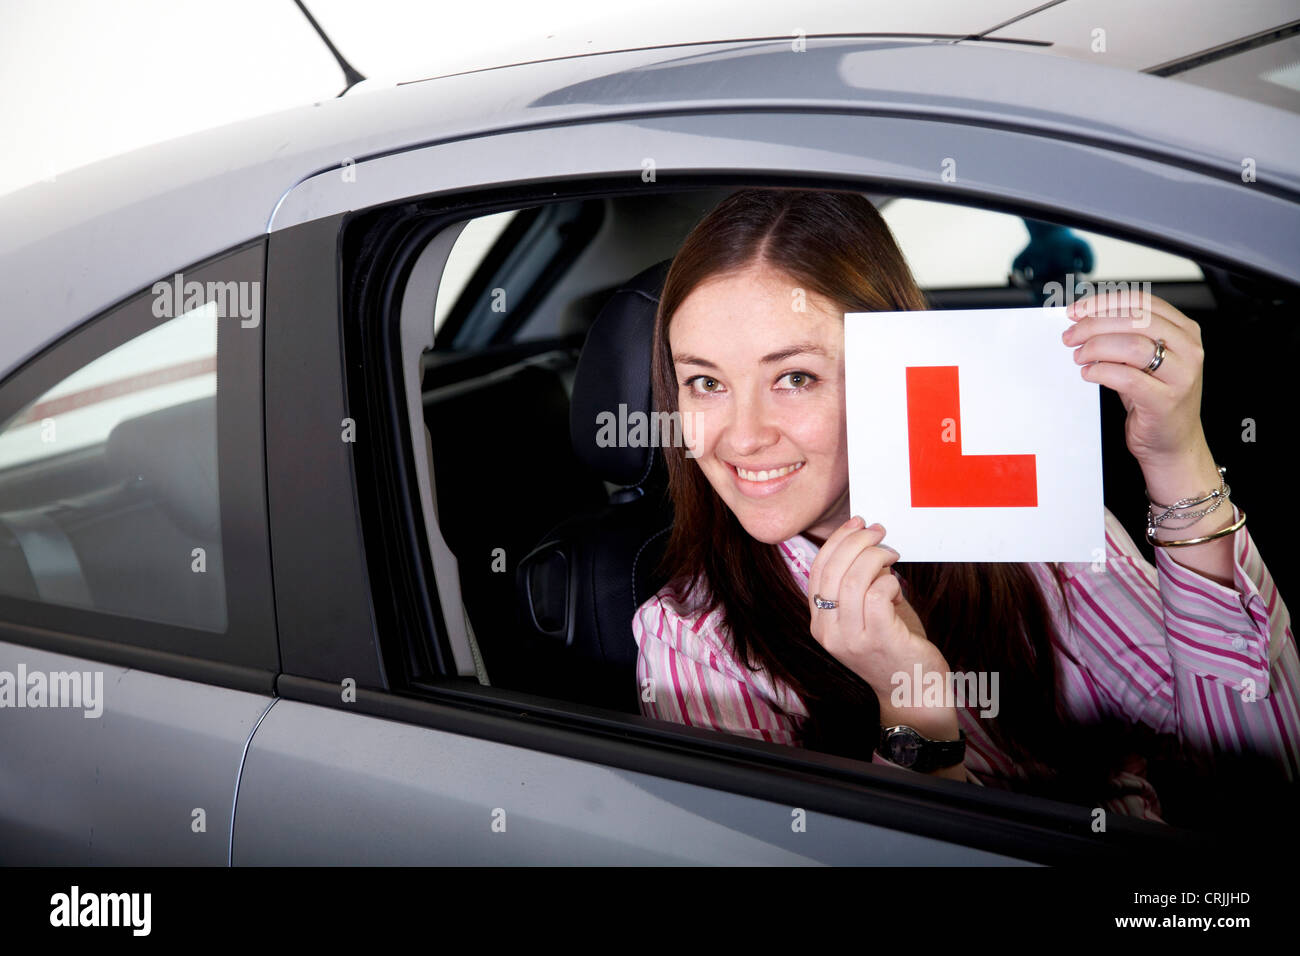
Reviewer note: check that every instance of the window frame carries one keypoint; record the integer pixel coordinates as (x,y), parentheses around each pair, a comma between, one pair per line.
(245,655)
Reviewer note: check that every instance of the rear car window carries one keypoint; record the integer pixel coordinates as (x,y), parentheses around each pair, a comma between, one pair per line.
(108,482)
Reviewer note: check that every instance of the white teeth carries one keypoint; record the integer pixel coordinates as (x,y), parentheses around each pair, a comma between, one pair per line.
(767,475)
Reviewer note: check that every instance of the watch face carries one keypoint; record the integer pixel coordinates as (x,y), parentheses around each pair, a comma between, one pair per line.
(904,747)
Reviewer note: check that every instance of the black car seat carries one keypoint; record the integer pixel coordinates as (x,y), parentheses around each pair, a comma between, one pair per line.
(505,473)
(581,585)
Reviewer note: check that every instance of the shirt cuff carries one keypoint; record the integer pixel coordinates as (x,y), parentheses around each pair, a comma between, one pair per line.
(1218,631)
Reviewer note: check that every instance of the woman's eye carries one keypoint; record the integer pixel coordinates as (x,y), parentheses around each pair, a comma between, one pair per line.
(797,380)
(702,383)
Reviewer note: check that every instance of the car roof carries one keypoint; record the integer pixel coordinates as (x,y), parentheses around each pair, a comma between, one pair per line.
(94,236)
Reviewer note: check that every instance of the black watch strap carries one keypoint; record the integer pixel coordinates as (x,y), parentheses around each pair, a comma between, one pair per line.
(906,747)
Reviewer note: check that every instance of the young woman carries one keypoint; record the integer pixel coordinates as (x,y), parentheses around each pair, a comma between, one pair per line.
(787,619)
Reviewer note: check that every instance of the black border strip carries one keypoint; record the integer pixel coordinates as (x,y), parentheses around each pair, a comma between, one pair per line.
(322,582)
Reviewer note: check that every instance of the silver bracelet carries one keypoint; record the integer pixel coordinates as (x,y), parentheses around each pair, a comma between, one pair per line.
(1192,517)
(1190,502)
(1180,507)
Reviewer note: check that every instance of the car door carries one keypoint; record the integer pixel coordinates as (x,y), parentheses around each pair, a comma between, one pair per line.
(137,643)
(358,764)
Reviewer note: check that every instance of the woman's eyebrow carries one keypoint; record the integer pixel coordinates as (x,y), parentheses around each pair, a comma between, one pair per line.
(802,349)
(685,359)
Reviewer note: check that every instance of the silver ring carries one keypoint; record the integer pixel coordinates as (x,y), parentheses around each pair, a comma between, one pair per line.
(1157,358)
(824,604)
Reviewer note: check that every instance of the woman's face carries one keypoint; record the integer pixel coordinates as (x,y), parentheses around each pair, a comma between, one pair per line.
(761,385)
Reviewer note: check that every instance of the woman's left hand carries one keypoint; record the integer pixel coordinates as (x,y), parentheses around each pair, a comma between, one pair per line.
(1115,337)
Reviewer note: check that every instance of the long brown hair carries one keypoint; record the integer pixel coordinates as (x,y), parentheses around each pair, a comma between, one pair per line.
(982,617)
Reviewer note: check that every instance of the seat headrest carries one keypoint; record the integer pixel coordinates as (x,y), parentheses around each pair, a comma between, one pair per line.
(612,382)
(174,452)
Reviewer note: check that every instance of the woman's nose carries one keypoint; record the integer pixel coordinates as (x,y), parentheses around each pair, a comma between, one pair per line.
(750,428)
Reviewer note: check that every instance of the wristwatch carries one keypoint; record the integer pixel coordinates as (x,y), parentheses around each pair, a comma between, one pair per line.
(907,748)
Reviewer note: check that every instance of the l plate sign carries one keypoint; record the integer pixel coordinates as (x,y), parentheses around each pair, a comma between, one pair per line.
(972,435)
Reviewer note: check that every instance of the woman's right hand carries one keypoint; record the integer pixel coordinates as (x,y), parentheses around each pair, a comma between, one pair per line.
(874,631)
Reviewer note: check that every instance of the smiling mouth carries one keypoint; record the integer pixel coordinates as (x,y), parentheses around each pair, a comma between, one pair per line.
(767,474)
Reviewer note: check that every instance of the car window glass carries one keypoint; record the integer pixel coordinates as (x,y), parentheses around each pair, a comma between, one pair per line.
(108,482)
(173,363)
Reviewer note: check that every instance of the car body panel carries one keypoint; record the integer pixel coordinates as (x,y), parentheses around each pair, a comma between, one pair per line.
(322,786)
(1228,220)
(122,788)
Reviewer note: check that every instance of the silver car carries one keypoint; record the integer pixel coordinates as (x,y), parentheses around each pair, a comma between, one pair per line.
(301,560)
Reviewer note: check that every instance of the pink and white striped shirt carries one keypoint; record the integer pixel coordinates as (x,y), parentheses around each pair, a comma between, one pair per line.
(1165,647)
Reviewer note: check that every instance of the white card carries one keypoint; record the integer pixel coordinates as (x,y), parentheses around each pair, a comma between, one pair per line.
(973,437)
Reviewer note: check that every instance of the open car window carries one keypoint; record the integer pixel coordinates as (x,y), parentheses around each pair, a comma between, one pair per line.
(536,525)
